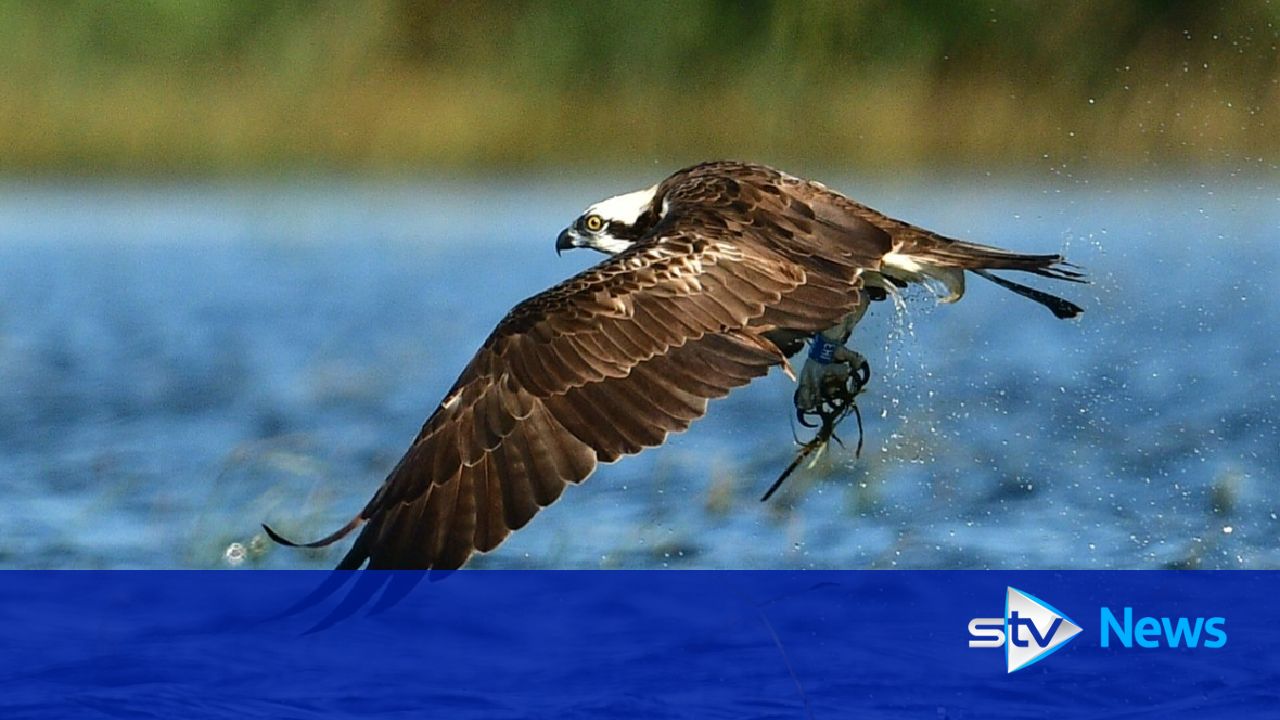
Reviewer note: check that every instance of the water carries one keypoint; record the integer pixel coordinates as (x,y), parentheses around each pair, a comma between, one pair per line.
(180,363)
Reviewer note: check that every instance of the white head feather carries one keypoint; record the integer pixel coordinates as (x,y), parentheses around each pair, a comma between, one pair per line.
(625,208)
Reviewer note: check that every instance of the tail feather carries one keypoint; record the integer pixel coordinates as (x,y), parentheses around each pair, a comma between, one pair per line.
(971,256)
(939,252)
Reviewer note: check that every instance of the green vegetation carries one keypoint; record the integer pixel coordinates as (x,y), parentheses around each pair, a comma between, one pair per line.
(249,86)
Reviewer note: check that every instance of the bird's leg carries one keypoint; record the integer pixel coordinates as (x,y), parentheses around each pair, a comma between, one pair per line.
(829,366)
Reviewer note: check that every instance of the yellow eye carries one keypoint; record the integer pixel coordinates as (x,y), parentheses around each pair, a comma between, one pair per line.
(594,223)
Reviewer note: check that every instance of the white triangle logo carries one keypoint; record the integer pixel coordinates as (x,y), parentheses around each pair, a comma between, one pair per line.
(1033,629)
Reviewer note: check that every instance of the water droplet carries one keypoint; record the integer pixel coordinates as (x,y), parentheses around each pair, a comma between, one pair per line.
(234,554)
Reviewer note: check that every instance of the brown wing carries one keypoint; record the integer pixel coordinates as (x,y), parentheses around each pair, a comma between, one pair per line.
(603,365)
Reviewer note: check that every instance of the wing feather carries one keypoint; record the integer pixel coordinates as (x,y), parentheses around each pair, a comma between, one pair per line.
(460,537)
(489,508)
(518,501)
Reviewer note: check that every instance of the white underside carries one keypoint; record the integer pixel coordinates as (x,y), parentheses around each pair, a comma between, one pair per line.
(910,268)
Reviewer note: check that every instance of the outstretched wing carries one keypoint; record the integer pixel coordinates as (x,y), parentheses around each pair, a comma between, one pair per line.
(603,365)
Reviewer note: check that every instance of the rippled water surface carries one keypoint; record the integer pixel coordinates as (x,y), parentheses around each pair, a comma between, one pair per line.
(180,363)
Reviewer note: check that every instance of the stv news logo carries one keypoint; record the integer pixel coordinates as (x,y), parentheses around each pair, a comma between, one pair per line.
(1030,630)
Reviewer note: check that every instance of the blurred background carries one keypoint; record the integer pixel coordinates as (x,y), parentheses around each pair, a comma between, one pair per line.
(216,87)
(246,246)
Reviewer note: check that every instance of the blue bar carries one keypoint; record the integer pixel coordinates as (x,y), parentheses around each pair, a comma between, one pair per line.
(485,644)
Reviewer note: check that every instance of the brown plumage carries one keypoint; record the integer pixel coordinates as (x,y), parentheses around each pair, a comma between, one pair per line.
(728,265)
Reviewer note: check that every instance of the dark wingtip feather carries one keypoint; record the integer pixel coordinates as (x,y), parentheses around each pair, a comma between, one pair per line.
(354,558)
(322,542)
(277,537)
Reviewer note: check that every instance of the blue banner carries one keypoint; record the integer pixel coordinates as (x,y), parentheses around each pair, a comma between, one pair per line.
(556,644)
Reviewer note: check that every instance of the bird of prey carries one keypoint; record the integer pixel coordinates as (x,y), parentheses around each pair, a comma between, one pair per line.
(715,275)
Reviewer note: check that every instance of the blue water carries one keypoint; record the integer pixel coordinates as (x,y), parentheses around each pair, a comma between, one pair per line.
(179,363)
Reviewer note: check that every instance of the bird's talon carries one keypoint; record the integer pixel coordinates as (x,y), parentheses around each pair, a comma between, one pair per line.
(802,415)
(862,374)
(828,388)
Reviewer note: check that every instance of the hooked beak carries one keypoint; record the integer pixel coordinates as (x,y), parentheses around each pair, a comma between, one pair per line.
(567,240)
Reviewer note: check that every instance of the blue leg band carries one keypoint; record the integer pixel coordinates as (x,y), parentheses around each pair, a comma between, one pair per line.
(821,349)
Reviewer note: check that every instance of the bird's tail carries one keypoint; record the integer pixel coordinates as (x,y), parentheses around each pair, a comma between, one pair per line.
(935,255)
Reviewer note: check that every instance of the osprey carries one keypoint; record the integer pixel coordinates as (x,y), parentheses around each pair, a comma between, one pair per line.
(715,275)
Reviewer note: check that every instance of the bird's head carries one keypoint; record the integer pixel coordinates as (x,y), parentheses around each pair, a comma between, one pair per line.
(611,226)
